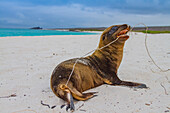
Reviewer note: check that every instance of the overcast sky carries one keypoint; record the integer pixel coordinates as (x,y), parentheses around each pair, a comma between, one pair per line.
(82,13)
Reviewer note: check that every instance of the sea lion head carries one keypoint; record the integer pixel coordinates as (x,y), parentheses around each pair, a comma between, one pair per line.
(112,33)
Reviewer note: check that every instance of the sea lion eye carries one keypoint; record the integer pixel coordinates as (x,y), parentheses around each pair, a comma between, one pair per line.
(103,37)
(114,29)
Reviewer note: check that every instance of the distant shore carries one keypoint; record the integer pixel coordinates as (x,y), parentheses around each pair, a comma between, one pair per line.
(151,29)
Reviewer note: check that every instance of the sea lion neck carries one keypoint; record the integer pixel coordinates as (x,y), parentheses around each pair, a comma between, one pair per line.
(108,58)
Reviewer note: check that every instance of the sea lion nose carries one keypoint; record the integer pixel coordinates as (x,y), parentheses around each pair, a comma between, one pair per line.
(124,25)
(128,27)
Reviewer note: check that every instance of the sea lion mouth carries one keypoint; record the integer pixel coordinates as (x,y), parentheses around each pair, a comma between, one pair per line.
(123,33)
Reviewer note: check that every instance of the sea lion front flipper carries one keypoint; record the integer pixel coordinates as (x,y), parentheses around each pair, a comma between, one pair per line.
(68,92)
(70,104)
(64,93)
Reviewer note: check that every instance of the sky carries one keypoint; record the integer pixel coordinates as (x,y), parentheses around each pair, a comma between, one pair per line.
(83,13)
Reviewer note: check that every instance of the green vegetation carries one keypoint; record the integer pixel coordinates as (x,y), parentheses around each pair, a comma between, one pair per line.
(99,29)
(85,30)
(90,30)
(153,32)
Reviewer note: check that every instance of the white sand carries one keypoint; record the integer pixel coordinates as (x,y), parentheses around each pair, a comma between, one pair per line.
(26,64)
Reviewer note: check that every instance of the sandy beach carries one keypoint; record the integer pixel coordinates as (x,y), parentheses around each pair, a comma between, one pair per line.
(26,64)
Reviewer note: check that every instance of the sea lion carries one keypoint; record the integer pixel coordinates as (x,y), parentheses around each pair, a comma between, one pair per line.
(99,68)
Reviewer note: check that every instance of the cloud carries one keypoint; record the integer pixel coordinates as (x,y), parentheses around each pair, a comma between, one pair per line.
(79,14)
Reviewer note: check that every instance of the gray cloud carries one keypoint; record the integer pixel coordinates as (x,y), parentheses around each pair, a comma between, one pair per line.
(78,15)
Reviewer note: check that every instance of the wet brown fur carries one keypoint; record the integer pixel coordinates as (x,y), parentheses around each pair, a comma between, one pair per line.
(99,68)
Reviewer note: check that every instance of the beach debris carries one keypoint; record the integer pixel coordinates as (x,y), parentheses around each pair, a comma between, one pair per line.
(82,110)
(52,107)
(80,106)
(164,88)
(45,104)
(166,111)
(12,95)
(147,104)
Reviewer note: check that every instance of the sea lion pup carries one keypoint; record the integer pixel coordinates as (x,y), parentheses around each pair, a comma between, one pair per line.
(99,68)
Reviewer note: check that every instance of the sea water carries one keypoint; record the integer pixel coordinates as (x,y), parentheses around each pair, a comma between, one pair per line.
(35,32)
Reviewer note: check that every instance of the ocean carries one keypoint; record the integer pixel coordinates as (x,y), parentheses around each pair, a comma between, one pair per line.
(34,32)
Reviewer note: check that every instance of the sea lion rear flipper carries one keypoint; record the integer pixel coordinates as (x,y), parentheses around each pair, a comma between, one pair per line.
(117,81)
(132,84)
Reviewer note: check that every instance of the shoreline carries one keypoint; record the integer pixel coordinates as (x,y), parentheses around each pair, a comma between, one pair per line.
(47,36)
(97,33)
(33,32)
